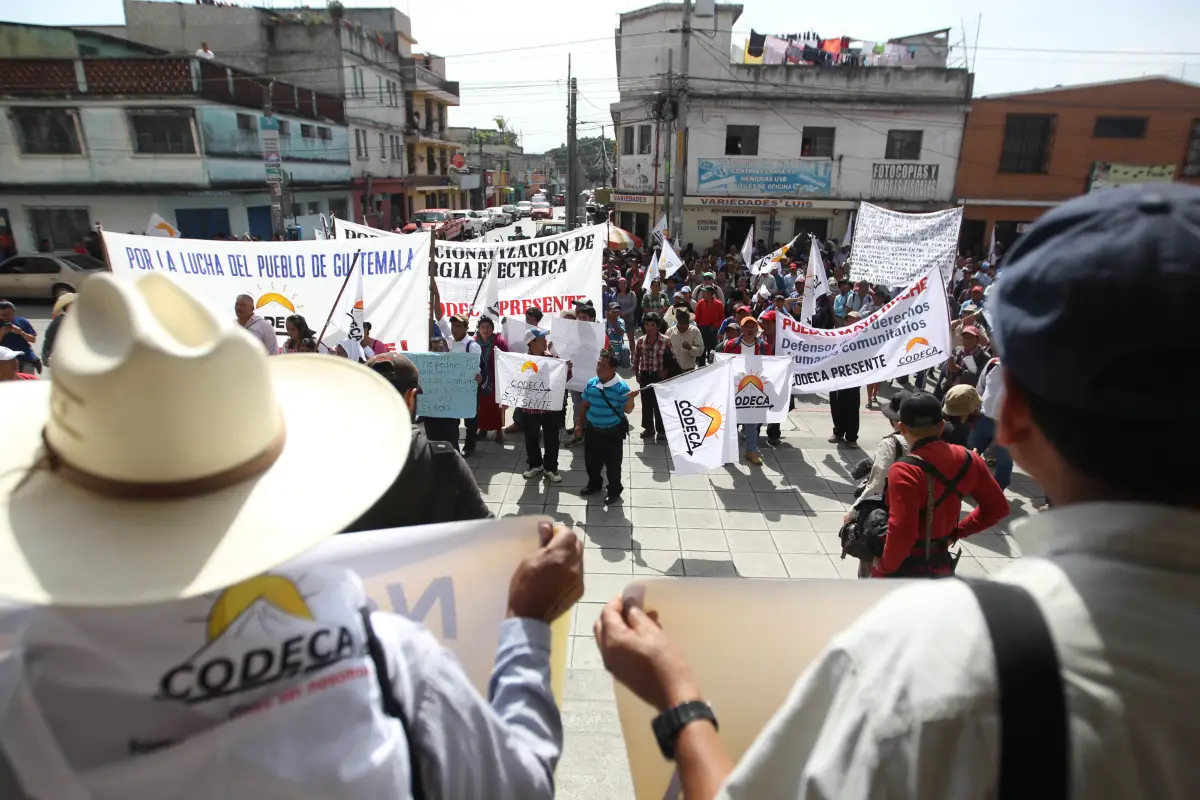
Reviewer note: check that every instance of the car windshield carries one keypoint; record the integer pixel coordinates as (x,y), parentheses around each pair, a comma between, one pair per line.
(429,216)
(83,261)
(541,205)
(509,208)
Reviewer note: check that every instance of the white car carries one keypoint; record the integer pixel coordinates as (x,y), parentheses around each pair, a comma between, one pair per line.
(500,217)
(473,220)
(46,276)
(525,207)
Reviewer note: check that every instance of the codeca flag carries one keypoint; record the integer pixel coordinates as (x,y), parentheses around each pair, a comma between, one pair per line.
(698,413)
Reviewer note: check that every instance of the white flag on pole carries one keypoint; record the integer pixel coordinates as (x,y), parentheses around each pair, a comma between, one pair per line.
(698,415)
(992,247)
(346,324)
(670,262)
(761,387)
(651,271)
(157,226)
(771,261)
(849,230)
(748,247)
(816,283)
(660,230)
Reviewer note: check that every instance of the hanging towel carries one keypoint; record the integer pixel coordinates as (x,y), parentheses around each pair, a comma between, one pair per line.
(794,55)
(749,59)
(774,50)
(755,48)
(832,46)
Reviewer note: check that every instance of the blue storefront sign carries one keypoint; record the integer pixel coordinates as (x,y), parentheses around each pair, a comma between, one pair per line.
(772,176)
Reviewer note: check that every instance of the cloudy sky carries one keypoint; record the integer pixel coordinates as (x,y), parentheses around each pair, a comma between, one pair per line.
(510,56)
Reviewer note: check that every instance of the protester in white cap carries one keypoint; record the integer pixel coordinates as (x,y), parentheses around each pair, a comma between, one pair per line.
(150,497)
(10,366)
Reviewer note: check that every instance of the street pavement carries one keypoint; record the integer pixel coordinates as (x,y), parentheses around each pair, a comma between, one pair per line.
(774,522)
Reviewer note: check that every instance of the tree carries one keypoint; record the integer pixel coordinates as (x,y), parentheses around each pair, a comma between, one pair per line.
(595,158)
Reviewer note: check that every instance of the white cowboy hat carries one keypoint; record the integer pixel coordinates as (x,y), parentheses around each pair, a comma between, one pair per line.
(170,456)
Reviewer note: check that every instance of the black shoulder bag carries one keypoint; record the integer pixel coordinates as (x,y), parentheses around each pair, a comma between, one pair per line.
(1035,735)
(623,425)
(391,706)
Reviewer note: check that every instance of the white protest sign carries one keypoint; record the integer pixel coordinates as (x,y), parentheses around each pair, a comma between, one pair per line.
(580,343)
(528,381)
(286,278)
(697,412)
(909,334)
(747,650)
(550,272)
(760,387)
(452,578)
(894,248)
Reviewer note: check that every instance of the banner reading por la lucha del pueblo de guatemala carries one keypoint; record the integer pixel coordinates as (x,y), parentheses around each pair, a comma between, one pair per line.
(286,278)
(550,272)
(909,334)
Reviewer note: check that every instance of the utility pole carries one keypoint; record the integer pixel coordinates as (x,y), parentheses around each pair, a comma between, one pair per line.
(675,226)
(572,183)
(669,116)
(273,161)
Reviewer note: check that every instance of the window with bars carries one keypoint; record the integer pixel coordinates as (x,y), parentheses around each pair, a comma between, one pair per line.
(817,142)
(1191,159)
(904,145)
(1120,127)
(163,132)
(1028,141)
(48,131)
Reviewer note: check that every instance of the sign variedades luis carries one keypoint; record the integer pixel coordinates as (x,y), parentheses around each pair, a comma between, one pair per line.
(909,334)
(550,272)
(286,278)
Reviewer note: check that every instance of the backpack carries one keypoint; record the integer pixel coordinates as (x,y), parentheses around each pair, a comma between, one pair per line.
(863,537)
(445,481)
(951,487)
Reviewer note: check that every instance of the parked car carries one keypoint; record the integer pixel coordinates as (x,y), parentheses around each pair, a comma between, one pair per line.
(525,207)
(513,212)
(551,227)
(472,220)
(46,275)
(538,198)
(500,217)
(487,219)
(441,221)
(541,211)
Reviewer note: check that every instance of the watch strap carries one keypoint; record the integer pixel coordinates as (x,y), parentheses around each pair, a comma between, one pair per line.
(669,724)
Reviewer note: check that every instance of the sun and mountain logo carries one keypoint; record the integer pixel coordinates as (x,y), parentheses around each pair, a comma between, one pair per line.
(278,299)
(167,228)
(916,341)
(256,633)
(529,366)
(698,423)
(751,391)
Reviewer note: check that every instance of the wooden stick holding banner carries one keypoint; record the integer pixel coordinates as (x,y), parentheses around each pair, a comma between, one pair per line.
(338,301)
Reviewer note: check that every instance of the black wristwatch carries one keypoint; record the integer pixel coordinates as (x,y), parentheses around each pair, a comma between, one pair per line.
(668,725)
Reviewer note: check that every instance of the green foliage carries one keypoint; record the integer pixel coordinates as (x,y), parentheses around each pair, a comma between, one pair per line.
(590,160)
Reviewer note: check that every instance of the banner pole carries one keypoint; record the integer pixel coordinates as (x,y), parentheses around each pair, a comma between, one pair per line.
(337,302)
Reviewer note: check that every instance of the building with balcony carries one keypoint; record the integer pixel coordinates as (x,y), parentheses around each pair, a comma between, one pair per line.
(1026,152)
(495,155)
(430,151)
(788,147)
(326,51)
(112,140)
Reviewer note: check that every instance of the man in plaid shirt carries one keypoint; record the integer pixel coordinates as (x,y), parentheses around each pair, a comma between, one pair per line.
(649,366)
(655,299)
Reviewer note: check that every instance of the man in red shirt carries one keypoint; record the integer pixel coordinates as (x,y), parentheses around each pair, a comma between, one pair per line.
(959,473)
(710,313)
(10,366)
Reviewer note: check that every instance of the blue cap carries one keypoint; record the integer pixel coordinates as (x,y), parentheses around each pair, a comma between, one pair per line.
(1060,312)
(535,333)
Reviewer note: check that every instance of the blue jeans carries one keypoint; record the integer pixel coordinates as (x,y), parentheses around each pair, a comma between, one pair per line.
(750,432)
(982,436)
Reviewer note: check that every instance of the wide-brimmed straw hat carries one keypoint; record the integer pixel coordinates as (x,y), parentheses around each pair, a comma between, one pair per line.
(171,456)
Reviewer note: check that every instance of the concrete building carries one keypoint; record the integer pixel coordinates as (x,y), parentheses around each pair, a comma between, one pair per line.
(789,148)
(489,153)
(1025,152)
(113,140)
(395,101)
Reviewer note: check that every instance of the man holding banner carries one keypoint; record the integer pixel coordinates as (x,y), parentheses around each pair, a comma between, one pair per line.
(170,652)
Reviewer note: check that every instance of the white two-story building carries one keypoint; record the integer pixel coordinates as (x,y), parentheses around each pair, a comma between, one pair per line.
(786,147)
